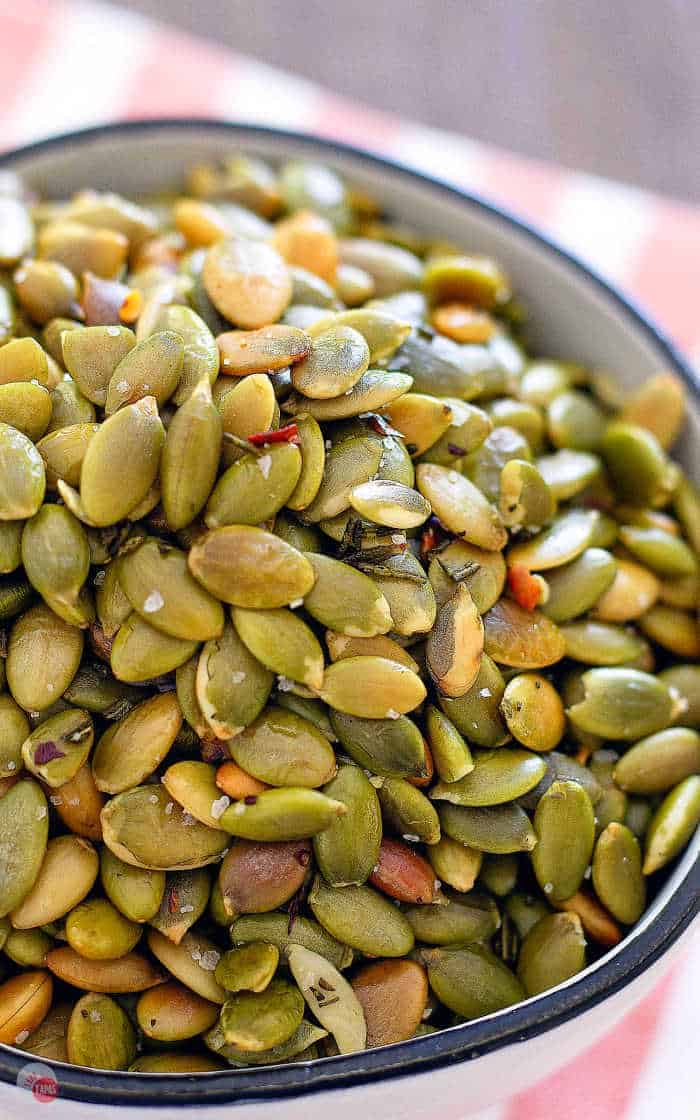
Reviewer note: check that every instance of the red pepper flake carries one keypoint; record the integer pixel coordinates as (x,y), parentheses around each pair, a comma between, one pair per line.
(288,434)
(47,752)
(173,901)
(251,799)
(524,587)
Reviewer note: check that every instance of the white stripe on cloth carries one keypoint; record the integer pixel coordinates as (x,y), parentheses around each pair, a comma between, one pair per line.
(666,1087)
(606,223)
(262,95)
(83,76)
(441,154)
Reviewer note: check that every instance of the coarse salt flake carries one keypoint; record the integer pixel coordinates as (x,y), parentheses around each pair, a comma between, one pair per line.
(219,806)
(264,465)
(153,602)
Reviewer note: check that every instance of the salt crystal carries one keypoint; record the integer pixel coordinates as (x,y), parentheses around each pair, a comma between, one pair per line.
(113,332)
(284,684)
(548,888)
(95,1016)
(169,808)
(12,766)
(41,813)
(123,386)
(296,603)
(187,909)
(264,465)
(219,806)
(153,602)
(411,837)
(56,800)
(238,676)
(485,693)
(21,1037)
(153,799)
(210,959)
(392,714)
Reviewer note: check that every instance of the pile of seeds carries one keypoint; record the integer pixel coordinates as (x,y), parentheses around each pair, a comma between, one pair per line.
(347,686)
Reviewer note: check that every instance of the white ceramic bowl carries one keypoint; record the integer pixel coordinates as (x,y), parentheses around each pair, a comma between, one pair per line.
(574,314)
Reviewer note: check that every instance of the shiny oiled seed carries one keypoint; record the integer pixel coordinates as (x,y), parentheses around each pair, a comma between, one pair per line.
(564,826)
(471,981)
(499,830)
(348,850)
(659,406)
(525,499)
(91,355)
(172,1013)
(98,931)
(232,686)
(22,475)
(421,420)
(622,703)
(193,962)
(617,873)
(66,875)
(43,655)
(293,813)
(131,749)
(553,951)
(136,892)
(128,446)
(255,487)
(183,903)
(258,351)
(566,539)
(255,1021)
(250,567)
(275,928)
(676,630)
(663,552)
(371,687)
(498,776)
(389,747)
(522,639)
(130,973)
(461,507)
(371,393)
(59,746)
(361,918)
(455,644)
(533,711)
(451,754)
(23,836)
(258,876)
(152,368)
(248,282)
(600,643)
(158,584)
(657,763)
(483,573)
(282,749)
(673,824)
(338,358)
(639,468)
(390,503)
(144,827)
(249,968)
(140,652)
(24,1002)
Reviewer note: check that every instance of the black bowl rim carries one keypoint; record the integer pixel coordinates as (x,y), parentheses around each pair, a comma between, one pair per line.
(470,1040)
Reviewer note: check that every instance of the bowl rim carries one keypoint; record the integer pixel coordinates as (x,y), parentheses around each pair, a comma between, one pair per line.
(470,1040)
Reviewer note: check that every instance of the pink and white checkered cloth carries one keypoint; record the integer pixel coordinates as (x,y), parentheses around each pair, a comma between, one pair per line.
(67,64)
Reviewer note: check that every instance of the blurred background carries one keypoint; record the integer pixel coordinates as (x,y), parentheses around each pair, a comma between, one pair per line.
(607,86)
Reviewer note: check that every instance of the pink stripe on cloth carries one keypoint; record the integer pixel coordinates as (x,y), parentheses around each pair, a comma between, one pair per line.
(667,277)
(178,76)
(339,119)
(27,30)
(600,1084)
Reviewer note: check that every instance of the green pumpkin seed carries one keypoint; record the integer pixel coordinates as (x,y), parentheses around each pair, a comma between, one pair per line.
(339,357)
(361,918)
(193,786)
(553,951)
(14,729)
(672,825)
(410,596)
(563,768)
(63,452)
(56,559)
(390,503)
(131,749)
(485,465)
(483,574)
(232,687)
(471,981)
(255,488)
(389,747)
(135,891)
(686,504)
(456,922)
(383,332)
(281,642)
(442,368)
(43,656)
(281,814)
(659,762)
(576,587)
(524,497)
(300,1046)
(622,704)
(617,873)
(91,355)
(451,755)
(469,427)
(282,749)
(498,776)
(348,850)
(476,715)
(58,747)
(152,368)
(461,507)
(371,393)
(371,688)
(348,464)
(455,863)
(522,639)
(98,931)
(330,997)
(26,407)
(600,643)
(260,1020)
(421,420)
(346,600)
(659,550)
(575,421)
(533,711)
(184,901)
(158,584)
(659,406)
(10,546)
(500,830)
(568,472)
(172,1013)
(22,475)
(408,812)
(27,948)
(67,874)
(140,652)
(128,445)
(190,457)
(141,830)
(566,539)
(278,930)
(685,682)
(193,962)
(639,468)
(248,969)
(23,360)
(676,630)
(455,644)
(100,1034)
(24,825)
(16,594)
(565,829)
(250,567)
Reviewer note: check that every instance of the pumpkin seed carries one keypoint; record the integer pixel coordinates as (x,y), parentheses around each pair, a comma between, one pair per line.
(24,1002)
(361,918)
(460,506)
(672,824)
(498,776)
(248,969)
(278,930)
(471,981)
(250,567)
(330,997)
(261,1020)
(565,827)
(348,850)
(145,828)
(622,703)
(617,873)
(553,951)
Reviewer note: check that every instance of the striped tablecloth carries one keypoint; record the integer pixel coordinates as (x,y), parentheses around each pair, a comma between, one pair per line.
(67,64)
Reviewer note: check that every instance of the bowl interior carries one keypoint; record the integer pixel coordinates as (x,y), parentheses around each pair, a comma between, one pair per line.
(573,314)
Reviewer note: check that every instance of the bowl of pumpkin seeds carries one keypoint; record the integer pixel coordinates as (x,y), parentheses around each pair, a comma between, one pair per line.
(349,647)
